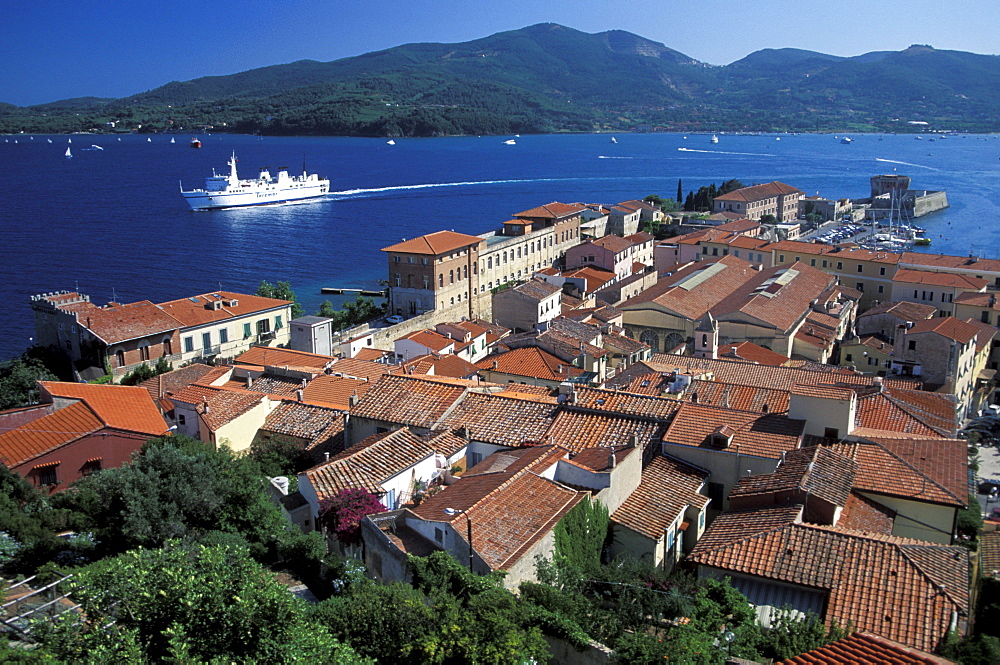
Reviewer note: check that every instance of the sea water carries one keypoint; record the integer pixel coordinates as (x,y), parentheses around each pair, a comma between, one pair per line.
(112,224)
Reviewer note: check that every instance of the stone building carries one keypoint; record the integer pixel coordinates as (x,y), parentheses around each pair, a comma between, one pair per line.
(773,198)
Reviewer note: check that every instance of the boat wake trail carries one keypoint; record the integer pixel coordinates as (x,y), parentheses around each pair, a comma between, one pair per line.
(611,157)
(723,152)
(893,161)
(400,188)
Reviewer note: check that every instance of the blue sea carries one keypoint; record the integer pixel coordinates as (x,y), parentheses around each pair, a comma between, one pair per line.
(112,224)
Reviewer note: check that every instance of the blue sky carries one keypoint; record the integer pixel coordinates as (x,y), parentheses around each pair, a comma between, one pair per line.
(59,49)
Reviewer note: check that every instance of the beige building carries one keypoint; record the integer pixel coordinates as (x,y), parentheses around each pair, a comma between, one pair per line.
(938,289)
(774,198)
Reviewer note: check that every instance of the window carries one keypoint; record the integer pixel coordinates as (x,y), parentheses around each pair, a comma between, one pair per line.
(812,262)
(206,340)
(824,263)
(716,492)
(48,475)
(861,287)
(781,258)
(90,466)
(181,420)
(881,270)
(861,268)
(263,326)
(831,433)
(167,347)
(881,288)
(246,330)
(840,265)
(912,345)
(451,276)
(985,316)
(120,357)
(188,344)
(144,353)
(278,325)
(849,357)
(438,534)
(223,335)
(441,279)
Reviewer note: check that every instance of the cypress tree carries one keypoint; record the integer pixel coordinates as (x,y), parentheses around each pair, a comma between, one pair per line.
(680,192)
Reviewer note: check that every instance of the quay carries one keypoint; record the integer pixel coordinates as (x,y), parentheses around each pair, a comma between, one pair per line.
(364,292)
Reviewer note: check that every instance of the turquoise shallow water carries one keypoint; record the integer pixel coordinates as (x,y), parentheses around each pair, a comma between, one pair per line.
(113,224)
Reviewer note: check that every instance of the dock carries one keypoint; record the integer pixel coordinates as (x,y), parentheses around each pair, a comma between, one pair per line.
(361,292)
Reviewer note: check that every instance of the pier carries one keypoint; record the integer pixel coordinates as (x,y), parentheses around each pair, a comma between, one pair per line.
(361,292)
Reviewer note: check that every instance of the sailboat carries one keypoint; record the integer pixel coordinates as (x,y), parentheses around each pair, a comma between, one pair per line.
(390,142)
(172,140)
(149,140)
(69,155)
(69,140)
(614,140)
(49,140)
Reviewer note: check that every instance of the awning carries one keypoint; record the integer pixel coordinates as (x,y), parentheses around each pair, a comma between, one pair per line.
(93,459)
(986,374)
(47,464)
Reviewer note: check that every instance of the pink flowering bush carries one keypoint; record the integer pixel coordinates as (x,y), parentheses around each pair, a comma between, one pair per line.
(342,514)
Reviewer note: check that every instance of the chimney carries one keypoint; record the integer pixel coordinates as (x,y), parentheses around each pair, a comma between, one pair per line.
(633,441)
(353,400)
(611,459)
(877,381)
(281,482)
(205,409)
(326,457)
(464,433)
(496,363)
(249,381)
(298,395)
(572,397)
(304,383)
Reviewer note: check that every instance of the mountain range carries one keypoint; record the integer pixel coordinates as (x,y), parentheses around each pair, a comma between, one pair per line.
(548,77)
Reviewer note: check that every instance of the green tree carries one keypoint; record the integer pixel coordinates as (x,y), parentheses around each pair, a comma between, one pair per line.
(280,291)
(18,377)
(790,636)
(580,537)
(768,219)
(194,604)
(680,191)
(177,487)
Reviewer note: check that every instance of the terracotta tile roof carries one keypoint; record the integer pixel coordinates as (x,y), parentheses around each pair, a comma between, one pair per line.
(639,238)
(269,356)
(742,225)
(864,514)
(537,458)
(987,300)
(667,488)
(530,393)
(735,396)
(435,244)
(799,247)
(447,443)
(822,392)
(370,354)
(778,297)
(612,243)
(128,408)
(406,400)
(990,552)
(501,420)
(118,323)
(32,439)
(172,381)
(447,365)
(759,192)
(938,459)
(948,279)
(429,338)
(865,649)
(626,403)
(752,353)
(584,332)
(623,345)
(199,310)
(537,289)
(317,425)
(554,210)
(334,391)
(906,311)
(595,277)
(530,362)
(278,386)
(599,459)
(946,326)
(227,405)
(883,470)
(812,471)
(696,288)
(762,435)
(906,412)
(874,342)
(370,463)
(510,513)
(906,590)
(577,430)
(355,368)
(946,261)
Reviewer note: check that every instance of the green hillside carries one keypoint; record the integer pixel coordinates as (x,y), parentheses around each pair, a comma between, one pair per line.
(547,78)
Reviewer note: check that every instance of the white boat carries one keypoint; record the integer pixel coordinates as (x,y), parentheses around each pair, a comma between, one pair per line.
(714,139)
(228,191)
(49,140)
(390,142)
(510,142)
(847,139)
(69,155)
(149,140)
(172,139)
(69,140)
(614,140)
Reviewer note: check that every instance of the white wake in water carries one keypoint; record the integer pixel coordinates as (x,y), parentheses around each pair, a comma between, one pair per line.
(723,152)
(610,157)
(399,188)
(893,161)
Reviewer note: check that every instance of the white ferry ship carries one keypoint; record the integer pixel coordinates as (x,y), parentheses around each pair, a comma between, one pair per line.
(228,191)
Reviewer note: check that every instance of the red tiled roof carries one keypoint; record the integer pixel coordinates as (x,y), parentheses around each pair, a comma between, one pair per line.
(578,430)
(759,192)
(777,297)
(906,311)
(612,243)
(510,513)
(865,649)
(864,514)
(946,326)
(946,261)
(447,365)
(753,353)
(172,381)
(334,391)
(907,590)
(118,323)
(667,488)
(501,420)
(812,471)
(357,368)
(975,299)
(626,403)
(968,282)
(435,244)
(370,463)
(761,435)
(696,288)
(30,440)
(198,310)
(428,338)
(554,210)
(317,425)
(406,400)
(530,361)
(128,408)
(268,356)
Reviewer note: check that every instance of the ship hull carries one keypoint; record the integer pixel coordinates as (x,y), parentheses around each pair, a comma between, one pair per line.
(202,200)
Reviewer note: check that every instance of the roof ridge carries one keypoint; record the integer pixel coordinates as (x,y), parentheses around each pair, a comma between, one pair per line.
(915,470)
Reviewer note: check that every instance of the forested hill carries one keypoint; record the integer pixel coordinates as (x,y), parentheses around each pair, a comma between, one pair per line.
(548,77)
